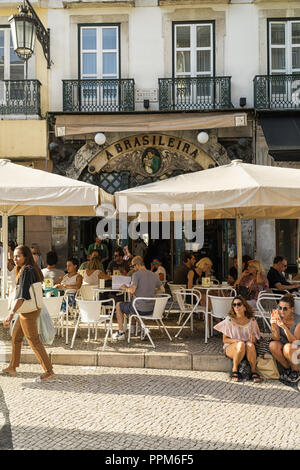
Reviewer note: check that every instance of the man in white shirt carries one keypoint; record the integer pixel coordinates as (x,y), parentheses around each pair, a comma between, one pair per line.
(50,271)
(159,270)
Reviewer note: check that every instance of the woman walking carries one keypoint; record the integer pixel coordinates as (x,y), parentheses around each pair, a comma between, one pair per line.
(27,273)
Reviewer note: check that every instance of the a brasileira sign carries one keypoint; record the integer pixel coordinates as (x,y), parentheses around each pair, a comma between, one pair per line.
(135,142)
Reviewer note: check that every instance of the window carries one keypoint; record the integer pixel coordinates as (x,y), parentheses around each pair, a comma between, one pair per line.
(99,52)
(99,59)
(193,48)
(11,67)
(284,59)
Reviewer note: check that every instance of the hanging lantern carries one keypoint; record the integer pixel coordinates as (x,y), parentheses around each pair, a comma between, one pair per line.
(23,30)
(100,138)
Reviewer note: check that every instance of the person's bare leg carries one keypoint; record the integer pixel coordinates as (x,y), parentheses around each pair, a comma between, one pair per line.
(119,316)
(292,355)
(236,352)
(276,351)
(251,355)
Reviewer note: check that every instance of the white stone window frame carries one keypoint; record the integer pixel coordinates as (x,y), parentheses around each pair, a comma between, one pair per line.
(288,47)
(193,49)
(99,51)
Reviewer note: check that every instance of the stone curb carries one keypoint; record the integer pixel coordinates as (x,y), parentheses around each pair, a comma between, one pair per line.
(149,360)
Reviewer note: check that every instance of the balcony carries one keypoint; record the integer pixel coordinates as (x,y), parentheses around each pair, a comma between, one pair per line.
(277,91)
(187,94)
(20,97)
(99,95)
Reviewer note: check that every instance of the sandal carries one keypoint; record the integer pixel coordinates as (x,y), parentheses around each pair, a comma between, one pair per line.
(255,378)
(8,371)
(44,377)
(235,376)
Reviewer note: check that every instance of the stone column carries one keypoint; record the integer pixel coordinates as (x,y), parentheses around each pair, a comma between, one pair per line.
(265,228)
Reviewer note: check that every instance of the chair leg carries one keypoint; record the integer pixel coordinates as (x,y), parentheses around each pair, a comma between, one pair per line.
(165,329)
(180,330)
(75,332)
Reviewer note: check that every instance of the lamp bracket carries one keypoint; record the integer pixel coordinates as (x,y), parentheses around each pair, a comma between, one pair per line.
(42,34)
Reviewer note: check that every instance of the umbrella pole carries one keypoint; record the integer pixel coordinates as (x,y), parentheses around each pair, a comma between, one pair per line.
(4,254)
(239,244)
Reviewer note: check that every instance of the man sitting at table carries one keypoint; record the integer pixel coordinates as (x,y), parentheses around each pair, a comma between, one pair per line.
(117,264)
(143,284)
(277,281)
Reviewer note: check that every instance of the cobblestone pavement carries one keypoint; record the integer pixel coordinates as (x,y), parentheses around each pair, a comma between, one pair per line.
(115,409)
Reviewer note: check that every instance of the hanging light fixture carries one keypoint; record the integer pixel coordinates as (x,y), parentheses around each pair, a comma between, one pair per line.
(100,138)
(202,137)
(25,27)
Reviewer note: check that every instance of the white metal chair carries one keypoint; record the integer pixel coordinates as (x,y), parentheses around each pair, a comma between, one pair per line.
(297,304)
(220,306)
(160,303)
(188,300)
(173,288)
(216,307)
(53,305)
(91,312)
(266,302)
(86,292)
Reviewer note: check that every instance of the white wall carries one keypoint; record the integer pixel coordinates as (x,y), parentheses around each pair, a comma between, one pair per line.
(242,51)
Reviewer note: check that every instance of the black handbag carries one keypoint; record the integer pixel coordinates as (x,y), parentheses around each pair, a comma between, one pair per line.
(245,292)
(244,370)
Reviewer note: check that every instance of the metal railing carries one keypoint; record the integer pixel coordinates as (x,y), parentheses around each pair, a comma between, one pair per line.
(20,97)
(277,91)
(98,95)
(194,93)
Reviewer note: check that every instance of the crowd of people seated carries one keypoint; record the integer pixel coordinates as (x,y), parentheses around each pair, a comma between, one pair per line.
(240,329)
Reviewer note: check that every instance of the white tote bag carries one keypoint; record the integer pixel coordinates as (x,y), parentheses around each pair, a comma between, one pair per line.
(36,299)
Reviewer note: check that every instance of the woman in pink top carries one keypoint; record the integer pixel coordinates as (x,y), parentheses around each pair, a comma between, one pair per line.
(240,333)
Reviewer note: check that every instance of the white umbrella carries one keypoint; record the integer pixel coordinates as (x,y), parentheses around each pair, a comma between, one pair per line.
(237,190)
(26,191)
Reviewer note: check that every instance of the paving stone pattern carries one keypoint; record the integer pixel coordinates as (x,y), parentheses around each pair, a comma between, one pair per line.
(115,409)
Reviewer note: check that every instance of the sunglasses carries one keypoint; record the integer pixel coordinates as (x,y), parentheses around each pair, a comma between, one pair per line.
(284,309)
(237,304)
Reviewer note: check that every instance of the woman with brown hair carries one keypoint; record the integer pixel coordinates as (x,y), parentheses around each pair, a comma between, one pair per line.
(27,273)
(240,333)
(94,272)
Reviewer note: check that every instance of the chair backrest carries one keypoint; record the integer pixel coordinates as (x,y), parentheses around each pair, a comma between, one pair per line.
(53,305)
(86,292)
(220,305)
(91,310)
(221,291)
(175,287)
(160,303)
(266,302)
(297,305)
(187,297)
(3,309)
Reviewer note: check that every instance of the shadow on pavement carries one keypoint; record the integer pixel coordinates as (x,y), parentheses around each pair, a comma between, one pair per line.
(185,388)
(5,428)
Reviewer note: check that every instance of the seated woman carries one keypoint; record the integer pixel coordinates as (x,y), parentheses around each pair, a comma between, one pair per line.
(240,333)
(203,269)
(285,333)
(251,282)
(94,272)
(70,282)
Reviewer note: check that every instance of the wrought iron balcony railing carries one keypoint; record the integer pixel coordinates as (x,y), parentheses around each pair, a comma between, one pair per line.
(98,95)
(194,93)
(20,97)
(277,91)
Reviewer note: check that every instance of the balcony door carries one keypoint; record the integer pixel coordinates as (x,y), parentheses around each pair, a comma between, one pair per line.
(99,64)
(11,68)
(284,59)
(193,61)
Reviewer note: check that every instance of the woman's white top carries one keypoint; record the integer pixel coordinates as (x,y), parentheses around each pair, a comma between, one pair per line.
(92,279)
(70,281)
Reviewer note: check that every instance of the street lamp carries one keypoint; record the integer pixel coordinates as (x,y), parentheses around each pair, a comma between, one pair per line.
(25,27)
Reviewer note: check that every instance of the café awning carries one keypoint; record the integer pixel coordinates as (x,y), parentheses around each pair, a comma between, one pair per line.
(76,124)
(282,133)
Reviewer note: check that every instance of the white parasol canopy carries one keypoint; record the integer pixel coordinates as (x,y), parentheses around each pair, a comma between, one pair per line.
(237,190)
(26,191)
